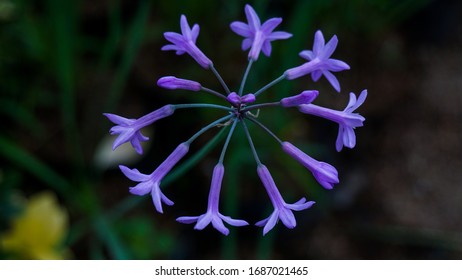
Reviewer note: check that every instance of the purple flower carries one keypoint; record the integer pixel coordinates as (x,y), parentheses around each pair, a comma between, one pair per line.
(347,119)
(151,183)
(282,210)
(129,129)
(186,43)
(237,100)
(171,82)
(212,215)
(258,37)
(306,97)
(320,62)
(325,174)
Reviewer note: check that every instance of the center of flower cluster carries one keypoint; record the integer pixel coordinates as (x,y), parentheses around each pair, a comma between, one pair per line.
(239,102)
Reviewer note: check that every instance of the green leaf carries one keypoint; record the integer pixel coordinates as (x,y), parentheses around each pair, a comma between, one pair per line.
(28,162)
(134,39)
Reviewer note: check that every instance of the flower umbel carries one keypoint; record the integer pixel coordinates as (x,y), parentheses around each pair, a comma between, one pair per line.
(239,109)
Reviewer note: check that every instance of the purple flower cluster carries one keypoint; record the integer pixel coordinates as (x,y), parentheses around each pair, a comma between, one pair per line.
(238,110)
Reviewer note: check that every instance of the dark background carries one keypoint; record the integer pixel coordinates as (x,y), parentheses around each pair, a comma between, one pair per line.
(64,63)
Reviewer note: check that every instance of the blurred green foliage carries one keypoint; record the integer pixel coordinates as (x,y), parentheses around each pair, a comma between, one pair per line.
(52,50)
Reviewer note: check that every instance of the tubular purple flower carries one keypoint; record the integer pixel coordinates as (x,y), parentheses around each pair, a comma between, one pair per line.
(325,174)
(171,82)
(129,129)
(151,183)
(306,97)
(282,210)
(186,43)
(237,100)
(258,37)
(320,62)
(212,215)
(347,119)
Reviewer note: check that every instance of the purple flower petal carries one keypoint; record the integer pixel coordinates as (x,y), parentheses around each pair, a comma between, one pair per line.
(252,18)
(187,219)
(332,80)
(316,75)
(362,97)
(336,65)
(308,55)
(203,221)
(329,48)
(185,30)
(195,32)
(142,188)
(301,206)
(218,225)
(318,44)
(339,141)
(349,137)
(270,25)
(278,35)
(233,222)
(266,48)
(241,29)
(176,39)
(118,119)
(271,222)
(179,51)
(246,44)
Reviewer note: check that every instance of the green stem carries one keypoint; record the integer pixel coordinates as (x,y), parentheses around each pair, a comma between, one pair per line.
(222,156)
(244,79)
(201,105)
(282,77)
(222,82)
(258,106)
(254,120)
(213,92)
(252,147)
(204,129)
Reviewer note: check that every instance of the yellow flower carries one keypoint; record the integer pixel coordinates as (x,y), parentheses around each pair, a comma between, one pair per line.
(39,231)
